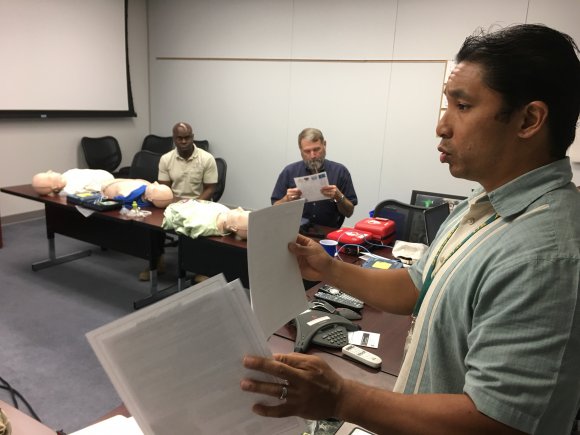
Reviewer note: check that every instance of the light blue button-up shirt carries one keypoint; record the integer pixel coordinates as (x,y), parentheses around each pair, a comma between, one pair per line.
(501,319)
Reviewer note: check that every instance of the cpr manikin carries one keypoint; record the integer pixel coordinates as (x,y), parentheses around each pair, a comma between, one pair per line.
(74,181)
(196,218)
(82,180)
(48,183)
(142,191)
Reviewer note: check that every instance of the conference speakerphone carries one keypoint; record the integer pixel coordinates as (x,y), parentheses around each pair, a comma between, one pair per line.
(323,329)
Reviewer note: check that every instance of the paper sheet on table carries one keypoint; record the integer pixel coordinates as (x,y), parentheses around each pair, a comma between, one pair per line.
(276,287)
(116,425)
(177,364)
(310,186)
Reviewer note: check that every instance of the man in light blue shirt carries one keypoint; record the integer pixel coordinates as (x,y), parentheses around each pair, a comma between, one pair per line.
(495,344)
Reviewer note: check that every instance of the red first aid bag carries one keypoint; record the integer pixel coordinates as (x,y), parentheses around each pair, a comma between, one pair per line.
(380,228)
(350,236)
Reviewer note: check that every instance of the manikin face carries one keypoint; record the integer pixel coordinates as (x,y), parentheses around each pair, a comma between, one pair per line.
(476,144)
(159,194)
(236,221)
(183,139)
(47,183)
(313,153)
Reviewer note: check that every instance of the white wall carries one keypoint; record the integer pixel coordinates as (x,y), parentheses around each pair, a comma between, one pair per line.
(378,117)
(29,146)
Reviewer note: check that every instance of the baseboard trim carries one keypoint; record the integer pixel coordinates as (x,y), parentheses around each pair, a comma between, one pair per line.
(22,217)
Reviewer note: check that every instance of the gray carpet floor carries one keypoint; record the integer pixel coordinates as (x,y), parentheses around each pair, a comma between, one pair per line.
(44,316)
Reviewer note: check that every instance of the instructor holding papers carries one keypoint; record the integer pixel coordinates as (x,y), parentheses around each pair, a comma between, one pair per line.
(326,185)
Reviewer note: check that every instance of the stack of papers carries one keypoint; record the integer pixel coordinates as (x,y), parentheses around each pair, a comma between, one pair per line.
(177,364)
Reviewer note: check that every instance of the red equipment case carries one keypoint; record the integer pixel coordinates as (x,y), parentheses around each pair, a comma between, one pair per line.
(380,228)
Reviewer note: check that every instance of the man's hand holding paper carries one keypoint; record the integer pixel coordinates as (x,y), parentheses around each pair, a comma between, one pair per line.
(311,186)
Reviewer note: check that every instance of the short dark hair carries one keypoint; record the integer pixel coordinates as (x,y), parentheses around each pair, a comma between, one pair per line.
(531,62)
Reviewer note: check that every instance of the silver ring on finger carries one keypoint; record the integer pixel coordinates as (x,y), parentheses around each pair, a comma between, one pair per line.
(284,392)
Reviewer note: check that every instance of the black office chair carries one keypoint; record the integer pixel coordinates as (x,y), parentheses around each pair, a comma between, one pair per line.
(222,168)
(103,153)
(145,165)
(203,144)
(409,219)
(157,144)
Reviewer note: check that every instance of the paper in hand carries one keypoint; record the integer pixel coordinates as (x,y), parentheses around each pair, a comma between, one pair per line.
(276,287)
(177,364)
(310,186)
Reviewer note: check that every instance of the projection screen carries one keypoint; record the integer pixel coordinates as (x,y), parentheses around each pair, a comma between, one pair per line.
(64,58)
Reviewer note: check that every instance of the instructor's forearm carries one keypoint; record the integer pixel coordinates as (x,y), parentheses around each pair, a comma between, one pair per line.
(384,412)
(392,291)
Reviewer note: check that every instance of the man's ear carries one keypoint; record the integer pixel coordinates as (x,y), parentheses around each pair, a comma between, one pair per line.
(535,117)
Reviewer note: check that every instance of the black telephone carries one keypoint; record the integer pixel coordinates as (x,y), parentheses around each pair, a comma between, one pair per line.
(322,328)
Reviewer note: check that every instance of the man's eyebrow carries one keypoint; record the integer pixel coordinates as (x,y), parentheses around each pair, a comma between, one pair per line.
(456,93)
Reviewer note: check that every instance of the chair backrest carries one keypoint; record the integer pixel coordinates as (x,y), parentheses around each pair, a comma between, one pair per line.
(202,143)
(222,168)
(157,144)
(409,219)
(102,152)
(145,165)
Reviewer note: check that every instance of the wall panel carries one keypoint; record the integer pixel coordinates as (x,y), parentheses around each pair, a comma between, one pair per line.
(436,29)
(220,28)
(343,29)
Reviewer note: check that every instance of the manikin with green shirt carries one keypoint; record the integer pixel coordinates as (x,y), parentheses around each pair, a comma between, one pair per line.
(495,345)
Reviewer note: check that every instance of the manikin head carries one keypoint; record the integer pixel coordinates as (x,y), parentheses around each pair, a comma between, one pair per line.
(48,183)
(234,221)
(159,194)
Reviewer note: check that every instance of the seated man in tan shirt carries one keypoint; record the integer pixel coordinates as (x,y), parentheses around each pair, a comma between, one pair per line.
(190,171)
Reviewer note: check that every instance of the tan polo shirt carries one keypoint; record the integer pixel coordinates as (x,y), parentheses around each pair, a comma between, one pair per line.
(187,177)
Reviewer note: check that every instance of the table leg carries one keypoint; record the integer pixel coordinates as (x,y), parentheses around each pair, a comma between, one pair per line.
(156,240)
(53,260)
(157,296)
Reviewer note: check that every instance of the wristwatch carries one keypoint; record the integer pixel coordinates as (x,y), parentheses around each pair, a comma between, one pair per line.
(339,200)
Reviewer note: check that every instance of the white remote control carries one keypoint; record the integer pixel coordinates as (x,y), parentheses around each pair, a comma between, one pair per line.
(362,356)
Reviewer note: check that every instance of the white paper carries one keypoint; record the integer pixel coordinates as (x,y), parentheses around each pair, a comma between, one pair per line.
(177,364)
(86,212)
(364,338)
(276,287)
(116,425)
(310,186)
